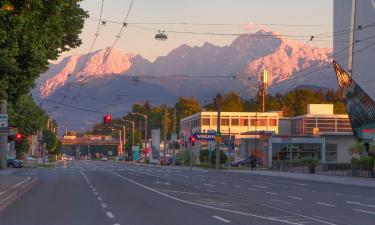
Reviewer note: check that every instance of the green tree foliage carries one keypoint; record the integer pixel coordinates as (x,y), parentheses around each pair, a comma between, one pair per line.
(232,102)
(32,32)
(51,141)
(295,102)
(22,147)
(27,116)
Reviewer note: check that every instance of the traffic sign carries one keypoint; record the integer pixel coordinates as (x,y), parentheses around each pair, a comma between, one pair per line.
(3,120)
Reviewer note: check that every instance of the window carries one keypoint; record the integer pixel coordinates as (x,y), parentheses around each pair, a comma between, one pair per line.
(214,121)
(206,121)
(331,152)
(235,122)
(224,121)
(272,122)
(244,122)
(258,122)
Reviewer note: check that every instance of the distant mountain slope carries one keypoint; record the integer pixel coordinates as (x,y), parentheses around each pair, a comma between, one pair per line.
(99,76)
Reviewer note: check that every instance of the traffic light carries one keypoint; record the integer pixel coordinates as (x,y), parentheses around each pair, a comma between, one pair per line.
(18,137)
(192,140)
(107,119)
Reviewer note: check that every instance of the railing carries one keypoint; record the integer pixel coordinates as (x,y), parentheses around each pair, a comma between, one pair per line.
(333,169)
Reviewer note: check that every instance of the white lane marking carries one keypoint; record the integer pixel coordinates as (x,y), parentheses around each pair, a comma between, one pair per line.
(357,203)
(103,205)
(110,215)
(271,193)
(224,183)
(253,189)
(209,190)
(260,186)
(1,193)
(364,211)
(301,184)
(96,193)
(99,198)
(116,224)
(340,194)
(221,219)
(16,185)
(205,206)
(294,197)
(210,185)
(281,201)
(326,204)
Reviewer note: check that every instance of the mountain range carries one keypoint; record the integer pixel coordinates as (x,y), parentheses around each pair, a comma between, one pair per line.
(79,89)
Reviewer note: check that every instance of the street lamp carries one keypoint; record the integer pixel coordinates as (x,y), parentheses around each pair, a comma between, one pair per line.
(123,135)
(132,122)
(145,117)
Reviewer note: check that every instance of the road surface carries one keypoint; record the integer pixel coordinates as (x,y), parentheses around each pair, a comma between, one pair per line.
(110,193)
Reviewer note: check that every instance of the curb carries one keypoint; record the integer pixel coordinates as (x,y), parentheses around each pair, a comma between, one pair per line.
(17,191)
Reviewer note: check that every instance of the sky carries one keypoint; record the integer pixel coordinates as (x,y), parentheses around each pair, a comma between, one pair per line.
(234,16)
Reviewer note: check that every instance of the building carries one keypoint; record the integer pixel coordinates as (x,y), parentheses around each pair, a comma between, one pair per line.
(363,51)
(231,124)
(320,134)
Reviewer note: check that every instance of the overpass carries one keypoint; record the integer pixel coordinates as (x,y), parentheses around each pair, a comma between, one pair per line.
(91,145)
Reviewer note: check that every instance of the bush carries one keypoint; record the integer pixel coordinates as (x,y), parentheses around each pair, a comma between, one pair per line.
(364,163)
(309,161)
(223,157)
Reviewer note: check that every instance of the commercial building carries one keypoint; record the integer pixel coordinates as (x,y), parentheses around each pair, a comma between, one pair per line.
(320,134)
(231,123)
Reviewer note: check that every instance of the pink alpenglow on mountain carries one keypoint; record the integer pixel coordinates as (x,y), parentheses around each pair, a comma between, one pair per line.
(289,58)
(97,64)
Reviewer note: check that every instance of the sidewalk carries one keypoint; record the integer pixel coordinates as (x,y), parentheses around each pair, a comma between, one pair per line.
(346,180)
(13,186)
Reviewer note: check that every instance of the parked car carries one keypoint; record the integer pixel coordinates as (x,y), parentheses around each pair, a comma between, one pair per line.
(166,160)
(14,163)
(104,158)
(247,161)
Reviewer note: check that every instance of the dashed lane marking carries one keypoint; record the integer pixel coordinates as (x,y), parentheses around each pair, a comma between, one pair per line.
(294,197)
(221,219)
(253,189)
(100,199)
(260,186)
(326,204)
(361,204)
(103,205)
(364,211)
(110,215)
(271,193)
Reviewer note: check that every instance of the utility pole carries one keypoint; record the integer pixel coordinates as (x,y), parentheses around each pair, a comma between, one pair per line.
(165,129)
(3,139)
(174,133)
(263,85)
(352,37)
(218,106)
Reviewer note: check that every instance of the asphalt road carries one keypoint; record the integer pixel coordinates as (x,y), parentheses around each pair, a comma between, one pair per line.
(109,193)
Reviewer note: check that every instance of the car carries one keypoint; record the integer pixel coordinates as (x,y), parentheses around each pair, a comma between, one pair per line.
(247,161)
(166,160)
(14,163)
(104,158)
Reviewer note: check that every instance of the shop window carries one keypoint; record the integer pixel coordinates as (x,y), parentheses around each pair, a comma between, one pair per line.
(272,122)
(331,152)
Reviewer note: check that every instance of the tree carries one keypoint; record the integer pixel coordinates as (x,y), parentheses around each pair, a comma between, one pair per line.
(356,149)
(27,116)
(32,32)
(232,102)
(51,140)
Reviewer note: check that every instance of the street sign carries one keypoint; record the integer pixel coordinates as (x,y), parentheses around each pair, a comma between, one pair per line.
(174,137)
(3,120)
(204,136)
